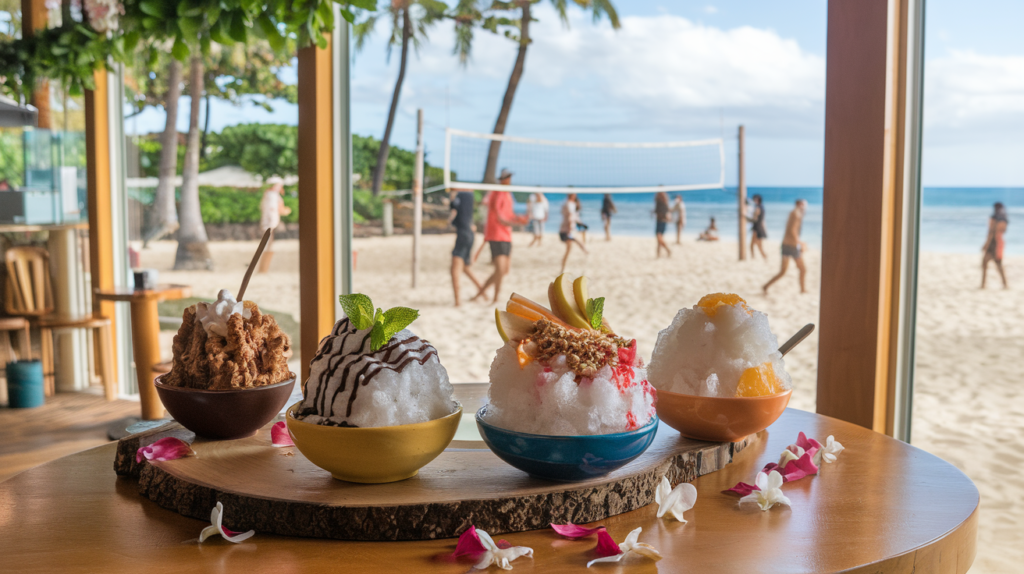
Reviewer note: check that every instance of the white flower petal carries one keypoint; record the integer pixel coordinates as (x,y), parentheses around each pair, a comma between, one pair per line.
(774,480)
(630,539)
(788,455)
(761,481)
(208,532)
(615,558)
(646,550)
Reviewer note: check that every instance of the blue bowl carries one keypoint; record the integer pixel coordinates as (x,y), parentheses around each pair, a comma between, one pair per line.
(566,458)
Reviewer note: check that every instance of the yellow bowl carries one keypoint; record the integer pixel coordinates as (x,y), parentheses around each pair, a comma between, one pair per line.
(718,419)
(375,454)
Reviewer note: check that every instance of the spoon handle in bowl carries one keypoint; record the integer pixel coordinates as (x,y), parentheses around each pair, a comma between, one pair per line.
(796,339)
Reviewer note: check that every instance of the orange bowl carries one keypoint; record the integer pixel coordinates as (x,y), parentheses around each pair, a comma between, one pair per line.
(719,419)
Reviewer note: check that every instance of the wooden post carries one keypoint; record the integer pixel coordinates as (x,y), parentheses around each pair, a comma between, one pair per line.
(100,202)
(388,218)
(861,229)
(742,196)
(316,199)
(34,17)
(417,198)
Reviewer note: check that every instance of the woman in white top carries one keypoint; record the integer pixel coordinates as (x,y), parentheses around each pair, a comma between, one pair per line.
(570,217)
(537,209)
(272,207)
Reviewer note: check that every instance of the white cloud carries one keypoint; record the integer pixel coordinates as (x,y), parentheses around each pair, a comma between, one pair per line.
(658,71)
(974,97)
(709,9)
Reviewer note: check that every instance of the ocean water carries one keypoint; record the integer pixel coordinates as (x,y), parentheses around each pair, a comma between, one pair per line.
(953,220)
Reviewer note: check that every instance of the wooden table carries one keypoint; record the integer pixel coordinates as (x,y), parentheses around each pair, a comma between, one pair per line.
(146,335)
(884,507)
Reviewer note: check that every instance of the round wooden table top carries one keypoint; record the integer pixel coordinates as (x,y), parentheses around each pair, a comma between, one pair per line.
(160,292)
(884,506)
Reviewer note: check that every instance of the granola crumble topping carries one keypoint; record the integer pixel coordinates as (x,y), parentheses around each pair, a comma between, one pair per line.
(586,352)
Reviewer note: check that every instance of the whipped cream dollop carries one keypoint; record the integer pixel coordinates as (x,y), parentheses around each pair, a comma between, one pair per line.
(214,316)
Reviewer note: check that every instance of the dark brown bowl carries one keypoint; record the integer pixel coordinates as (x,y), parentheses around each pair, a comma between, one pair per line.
(225,415)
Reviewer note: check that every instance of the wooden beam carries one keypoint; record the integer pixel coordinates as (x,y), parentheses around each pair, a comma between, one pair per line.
(98,178)
(861,231)
(34,16)
(742,193)
(316,200)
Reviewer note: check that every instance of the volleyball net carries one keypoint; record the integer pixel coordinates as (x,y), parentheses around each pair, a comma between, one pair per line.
(549,166)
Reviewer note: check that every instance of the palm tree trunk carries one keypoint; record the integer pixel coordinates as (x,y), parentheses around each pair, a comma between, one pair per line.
(510,93)
(206,129)
(382,153)
(164,214)
(193,253)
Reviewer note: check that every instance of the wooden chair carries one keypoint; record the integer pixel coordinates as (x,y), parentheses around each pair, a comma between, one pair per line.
(29,294)
(8,326)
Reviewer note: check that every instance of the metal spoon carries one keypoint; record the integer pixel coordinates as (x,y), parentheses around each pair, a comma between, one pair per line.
(796,339)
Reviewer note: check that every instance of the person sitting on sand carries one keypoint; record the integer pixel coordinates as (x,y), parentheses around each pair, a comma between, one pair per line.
(757,231)
(994,243)
(537,209)
(569,220)
(679,216)
(461,218)
(709,234)
(608,209)
(498,234)
(792,247)
(661,219)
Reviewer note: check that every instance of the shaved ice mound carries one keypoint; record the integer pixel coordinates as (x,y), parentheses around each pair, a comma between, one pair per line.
(349,385)
(552,399)
(719,348)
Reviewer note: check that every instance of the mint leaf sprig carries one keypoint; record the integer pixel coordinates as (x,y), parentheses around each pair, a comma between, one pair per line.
(595,312)
(385,324)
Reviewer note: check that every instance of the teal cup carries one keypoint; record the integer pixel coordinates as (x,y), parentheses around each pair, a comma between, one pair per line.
(25,384)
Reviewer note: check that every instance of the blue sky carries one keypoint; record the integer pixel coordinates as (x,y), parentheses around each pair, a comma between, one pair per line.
(686,70)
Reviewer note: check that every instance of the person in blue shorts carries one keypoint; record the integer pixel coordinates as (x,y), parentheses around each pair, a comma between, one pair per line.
(461,217)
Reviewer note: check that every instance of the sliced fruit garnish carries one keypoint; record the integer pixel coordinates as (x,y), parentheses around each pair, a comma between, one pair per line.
(563,302)
(512,327)
(579,290)
(759,381)
(524,359)
(528,309)
(710,303)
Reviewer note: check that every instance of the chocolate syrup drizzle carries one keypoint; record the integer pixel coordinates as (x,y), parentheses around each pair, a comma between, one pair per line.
(360,365)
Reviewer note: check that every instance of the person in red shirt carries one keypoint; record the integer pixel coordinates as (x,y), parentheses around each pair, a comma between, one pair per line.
(498,233)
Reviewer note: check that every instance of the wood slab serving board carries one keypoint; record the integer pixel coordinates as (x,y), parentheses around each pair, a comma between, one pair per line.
(277,490)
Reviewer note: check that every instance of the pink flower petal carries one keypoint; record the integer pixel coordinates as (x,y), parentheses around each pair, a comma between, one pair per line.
(169,448)
(800,468)
(503,544)
(606,546)
(469,544)
(808,444)
(279,435)
(574,531)
(742,489)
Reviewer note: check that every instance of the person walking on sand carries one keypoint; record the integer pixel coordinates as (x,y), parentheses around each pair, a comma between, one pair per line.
(461,217)
(580,226)
(709,234)
(661,217)
(792,247)
(272,207)
(608,209)
(679,216)
(498,234)
(570,217)
(483,217)
(757,230)
(537,209)
(994,243)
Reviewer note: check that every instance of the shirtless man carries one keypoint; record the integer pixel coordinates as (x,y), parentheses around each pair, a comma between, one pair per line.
(792,247)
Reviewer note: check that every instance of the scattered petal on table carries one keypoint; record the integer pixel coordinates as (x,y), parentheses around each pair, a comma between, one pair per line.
(741,489)
(808,444)
(675,500)
(168,448)
(606,546)
(217,528)
(790,454)
(575,531)
(830,452)
(800,468)
(496,555)
(279,435)
(469,543)
(630,545)
(769,491)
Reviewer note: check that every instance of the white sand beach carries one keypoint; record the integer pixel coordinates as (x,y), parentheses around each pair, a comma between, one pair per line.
(968,407)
